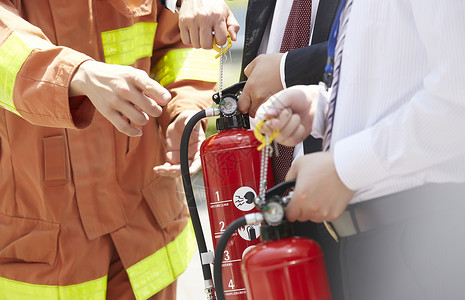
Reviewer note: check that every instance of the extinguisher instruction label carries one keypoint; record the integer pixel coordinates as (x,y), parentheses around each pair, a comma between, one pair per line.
(226,202)
(234,292)
(244,198)
(220,204)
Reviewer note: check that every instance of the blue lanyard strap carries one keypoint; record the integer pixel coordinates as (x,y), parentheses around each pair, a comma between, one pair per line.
(328,77)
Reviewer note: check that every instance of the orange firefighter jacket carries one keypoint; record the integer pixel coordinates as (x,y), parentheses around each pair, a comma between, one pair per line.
(71,185)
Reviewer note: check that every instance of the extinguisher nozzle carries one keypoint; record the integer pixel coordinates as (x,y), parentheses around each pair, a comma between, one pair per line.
(209,290)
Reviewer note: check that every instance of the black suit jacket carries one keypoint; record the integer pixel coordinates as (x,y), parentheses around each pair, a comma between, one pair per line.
(304,65)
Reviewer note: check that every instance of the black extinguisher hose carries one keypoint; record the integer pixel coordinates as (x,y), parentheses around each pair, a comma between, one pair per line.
(186,179)
(249,219)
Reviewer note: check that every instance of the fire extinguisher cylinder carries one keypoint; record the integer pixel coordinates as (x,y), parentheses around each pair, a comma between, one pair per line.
(231,169)
(285,267)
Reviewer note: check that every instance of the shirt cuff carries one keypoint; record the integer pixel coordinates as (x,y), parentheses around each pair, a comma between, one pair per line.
(171,5)
(356,162)
(282,70)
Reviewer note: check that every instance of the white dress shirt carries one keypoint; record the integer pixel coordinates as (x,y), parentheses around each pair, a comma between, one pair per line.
(273,36)
(400,112)
(171,5)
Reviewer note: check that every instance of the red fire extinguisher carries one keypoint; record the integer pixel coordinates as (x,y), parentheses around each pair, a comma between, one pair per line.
(282,266)
(231,172)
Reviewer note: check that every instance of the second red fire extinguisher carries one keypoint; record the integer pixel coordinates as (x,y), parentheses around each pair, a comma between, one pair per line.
(282,266)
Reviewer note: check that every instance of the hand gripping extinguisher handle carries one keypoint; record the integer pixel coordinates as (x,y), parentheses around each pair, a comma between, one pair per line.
(184,161)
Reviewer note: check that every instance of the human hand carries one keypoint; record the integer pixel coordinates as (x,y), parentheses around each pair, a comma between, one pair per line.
(319,193)
(291,112)
(199,18)
(263,80)
(174,132)
(118,92)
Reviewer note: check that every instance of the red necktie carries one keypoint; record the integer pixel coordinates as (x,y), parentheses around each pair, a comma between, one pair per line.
(297,32)
(296,35)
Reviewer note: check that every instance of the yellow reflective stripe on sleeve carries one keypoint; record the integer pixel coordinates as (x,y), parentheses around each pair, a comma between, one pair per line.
(157,271)
(13,54)
(193,64)
(17,290)
(126,45)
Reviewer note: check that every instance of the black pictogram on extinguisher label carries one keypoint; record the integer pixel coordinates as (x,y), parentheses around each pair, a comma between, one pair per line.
(249,232)
(244,198)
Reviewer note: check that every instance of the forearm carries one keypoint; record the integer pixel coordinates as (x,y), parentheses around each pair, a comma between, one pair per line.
(39,71)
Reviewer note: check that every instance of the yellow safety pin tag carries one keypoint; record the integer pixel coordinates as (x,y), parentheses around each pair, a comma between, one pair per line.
(224,49)
(260,137)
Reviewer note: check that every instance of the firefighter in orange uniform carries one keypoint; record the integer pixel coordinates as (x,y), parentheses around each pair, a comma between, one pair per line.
(83,215)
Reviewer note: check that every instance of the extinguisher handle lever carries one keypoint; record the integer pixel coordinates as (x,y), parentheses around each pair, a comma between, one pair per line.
(279,189)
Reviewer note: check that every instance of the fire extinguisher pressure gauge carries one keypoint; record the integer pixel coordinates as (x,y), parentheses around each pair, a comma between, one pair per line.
(273,213)
(228,105)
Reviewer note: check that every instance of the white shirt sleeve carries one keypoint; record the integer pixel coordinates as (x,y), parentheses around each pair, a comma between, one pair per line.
(428,131)
(171,5)
(282,70)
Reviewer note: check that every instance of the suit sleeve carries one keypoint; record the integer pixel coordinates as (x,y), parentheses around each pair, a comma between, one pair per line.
(35,75)
(306,65)
(189,74)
